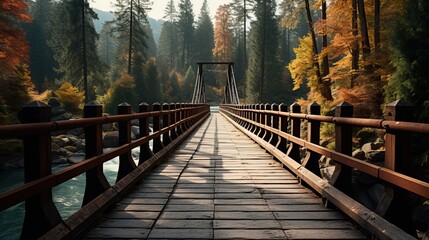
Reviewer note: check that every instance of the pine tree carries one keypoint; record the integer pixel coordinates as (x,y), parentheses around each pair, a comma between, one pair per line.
(223,49)
(204,36)
(153,93)
(186,34)
(73,41)
(107,44)
(264,71)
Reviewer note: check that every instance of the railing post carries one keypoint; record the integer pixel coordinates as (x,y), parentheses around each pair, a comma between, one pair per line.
(256,129)
(179,117)
(126,162)
(261,120)
(393,204)
(173,120)
(96,182)
(157,144)
(342,177)
(311,160)
(145,151)
(282,144)
(166,123)
(293,151)
(275,124)
(40,212)
(267,134)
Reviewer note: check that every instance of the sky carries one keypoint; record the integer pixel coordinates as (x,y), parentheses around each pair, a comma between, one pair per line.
(158,6)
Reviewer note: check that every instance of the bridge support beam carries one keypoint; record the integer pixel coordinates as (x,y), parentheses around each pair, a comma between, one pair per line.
(165,123)
(40,212)
(157,144)
(96,182)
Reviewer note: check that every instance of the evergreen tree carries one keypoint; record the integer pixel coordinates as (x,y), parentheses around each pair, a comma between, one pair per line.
(73,41)
(410,56)
(42,62)
(107,44)
(167,46)
(264,71)
(204,36)
(186,34)
(153,93)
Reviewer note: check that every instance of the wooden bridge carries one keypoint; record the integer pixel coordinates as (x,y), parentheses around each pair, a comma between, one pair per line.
(237,174)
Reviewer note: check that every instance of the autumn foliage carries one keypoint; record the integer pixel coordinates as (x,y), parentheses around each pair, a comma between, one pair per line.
(70,97)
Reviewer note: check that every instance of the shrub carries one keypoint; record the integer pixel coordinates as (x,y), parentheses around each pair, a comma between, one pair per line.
(123,90)
(71,99)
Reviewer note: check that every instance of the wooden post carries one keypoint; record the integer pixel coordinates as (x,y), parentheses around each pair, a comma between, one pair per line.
(311,160)
(393,205)
(275,124)
(179,117)
(293,151)
(157,144)
(261,120)
(126,162)
(145,151)
(166,123)
(267,135)
(342,177)
(257,117)
(173,121)
(96,182)
(282,144)
(40,212)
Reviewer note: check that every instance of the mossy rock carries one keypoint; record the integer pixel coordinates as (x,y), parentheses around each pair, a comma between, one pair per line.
(11,147)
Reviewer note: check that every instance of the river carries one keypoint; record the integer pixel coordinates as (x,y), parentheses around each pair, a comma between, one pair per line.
(67,196)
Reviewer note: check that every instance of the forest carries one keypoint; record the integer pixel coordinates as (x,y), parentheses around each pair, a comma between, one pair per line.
(365,52)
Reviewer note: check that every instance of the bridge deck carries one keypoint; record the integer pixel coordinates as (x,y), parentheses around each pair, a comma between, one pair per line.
(221,185)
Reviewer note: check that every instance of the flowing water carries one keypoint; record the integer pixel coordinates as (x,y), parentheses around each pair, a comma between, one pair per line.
(67,196)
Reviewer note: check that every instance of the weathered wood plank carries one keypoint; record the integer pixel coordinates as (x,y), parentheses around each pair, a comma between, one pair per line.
(323,234)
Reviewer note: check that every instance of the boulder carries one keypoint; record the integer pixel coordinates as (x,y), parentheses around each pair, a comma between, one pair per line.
(366,135)
(59,160)
(70,148)
(76,157)
(76,132)
(136,131)
(64,116)
(359,154)
(111,139)
(324,143)
(368,147)
(327,172)
(76,142)
(54,102)
(375,156)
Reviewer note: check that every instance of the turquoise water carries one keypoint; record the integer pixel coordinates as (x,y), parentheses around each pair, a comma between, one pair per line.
(67,196)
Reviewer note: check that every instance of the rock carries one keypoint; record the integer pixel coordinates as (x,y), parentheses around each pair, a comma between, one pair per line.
(366,135)
(368,147)
(136,131)
(111,139)
(76,157)
(324,143)
(56,111)
(65,116)
(108,126)
(76,142)
(59,160)
(54,102)
(71,148)
(359,154)
(135,122)
(76,132)
(326,162)
(375,156)
(327,172)
(11,162)
(61,141)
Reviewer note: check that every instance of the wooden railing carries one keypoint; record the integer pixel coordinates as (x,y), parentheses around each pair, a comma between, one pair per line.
(279,131)
(174,122)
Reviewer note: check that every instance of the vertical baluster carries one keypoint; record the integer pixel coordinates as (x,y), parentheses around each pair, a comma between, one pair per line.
(282,144)
(342,176)
(157,144)
(179,117)
(311,160)
(126,162)
(257,119)
(145,151)
(40,211)
(393,205)
(293,151)
(96,182)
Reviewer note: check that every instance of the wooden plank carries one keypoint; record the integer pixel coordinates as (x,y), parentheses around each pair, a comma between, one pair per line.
(181,234)
(246,224)
(248,234)
(244,215)
(308,215)
(323,234)
(314,224)
(109,233)
(186,224)
(127,223)
(187,215)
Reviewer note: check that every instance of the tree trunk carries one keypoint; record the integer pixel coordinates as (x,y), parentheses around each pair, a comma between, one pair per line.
(325,88)
(325,61)
(366,49)
(355,45)
(261,87)
(130,44)
(84,60)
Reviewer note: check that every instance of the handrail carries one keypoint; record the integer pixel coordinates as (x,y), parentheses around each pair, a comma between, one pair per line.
(176,121)
(267,125)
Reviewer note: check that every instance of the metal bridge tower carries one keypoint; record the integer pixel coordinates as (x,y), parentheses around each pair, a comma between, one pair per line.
(230,89)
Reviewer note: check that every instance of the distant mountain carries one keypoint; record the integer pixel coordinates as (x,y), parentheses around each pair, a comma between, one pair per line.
(104,16)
